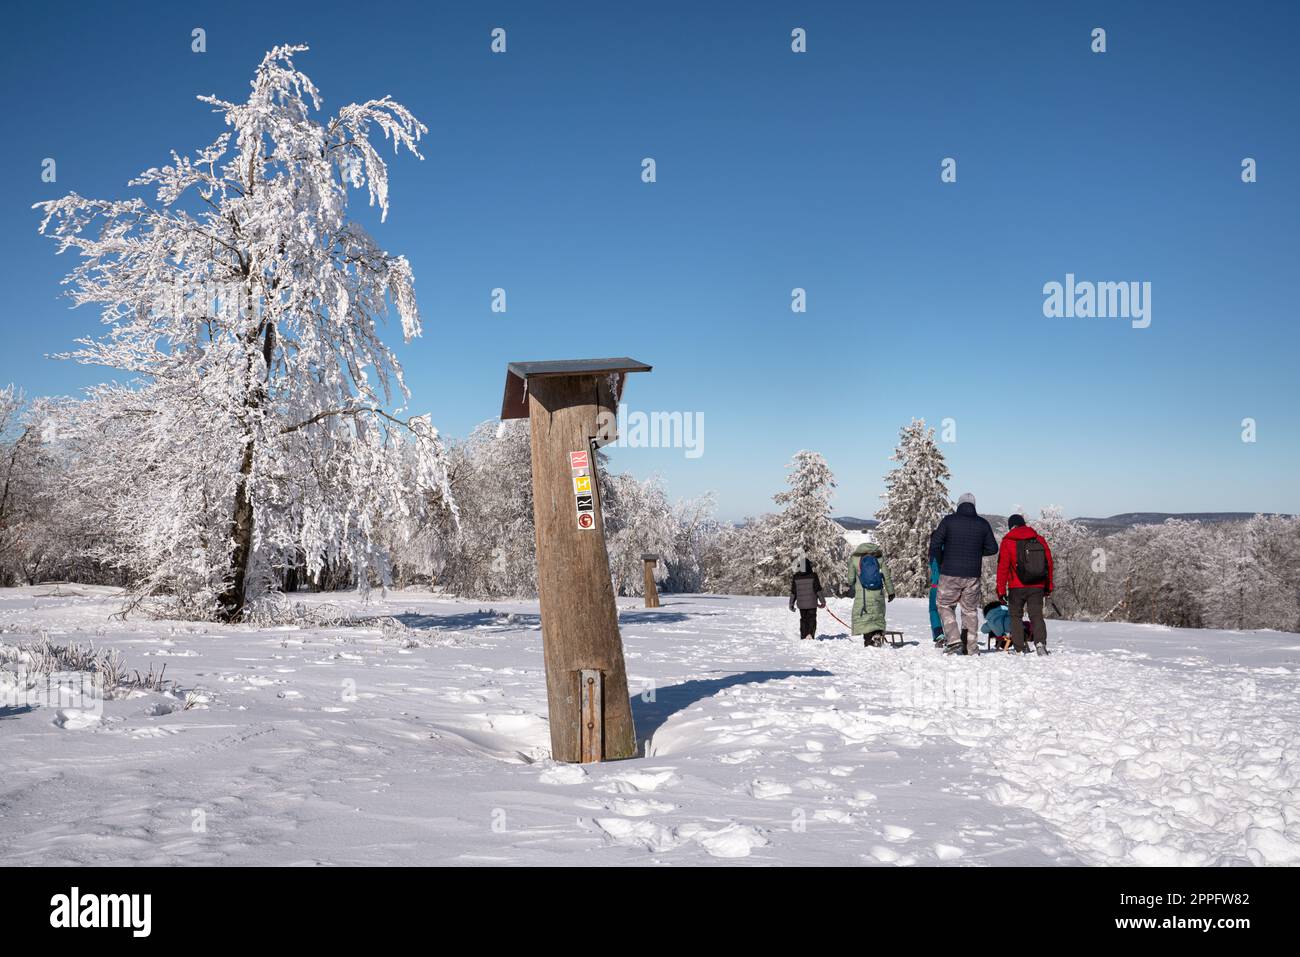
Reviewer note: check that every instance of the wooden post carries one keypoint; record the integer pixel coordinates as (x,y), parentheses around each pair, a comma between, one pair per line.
(586,679)
(651,593)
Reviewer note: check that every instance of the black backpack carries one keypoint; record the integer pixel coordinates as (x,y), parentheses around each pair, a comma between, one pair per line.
(1031,561)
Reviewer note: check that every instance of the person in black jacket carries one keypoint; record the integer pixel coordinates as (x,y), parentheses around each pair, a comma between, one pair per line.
(959,545)
(806,592)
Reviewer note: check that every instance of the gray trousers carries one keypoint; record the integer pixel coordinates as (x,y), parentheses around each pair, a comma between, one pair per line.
(953,591)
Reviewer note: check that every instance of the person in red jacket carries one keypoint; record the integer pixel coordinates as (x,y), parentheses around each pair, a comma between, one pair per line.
(1024,580)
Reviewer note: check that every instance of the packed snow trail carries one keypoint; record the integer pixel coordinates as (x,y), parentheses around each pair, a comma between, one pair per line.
(424,740)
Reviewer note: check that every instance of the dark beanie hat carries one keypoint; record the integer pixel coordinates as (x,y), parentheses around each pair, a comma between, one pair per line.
(1015,521)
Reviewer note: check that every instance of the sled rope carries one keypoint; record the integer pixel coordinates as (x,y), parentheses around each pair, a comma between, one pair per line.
(837,617)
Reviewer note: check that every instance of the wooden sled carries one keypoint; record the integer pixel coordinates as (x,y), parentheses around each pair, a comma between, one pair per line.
(878,639)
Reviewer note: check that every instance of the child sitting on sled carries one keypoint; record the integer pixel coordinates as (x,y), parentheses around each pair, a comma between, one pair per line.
(997,624)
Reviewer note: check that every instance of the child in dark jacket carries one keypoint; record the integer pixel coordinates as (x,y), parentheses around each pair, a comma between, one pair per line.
(806,593)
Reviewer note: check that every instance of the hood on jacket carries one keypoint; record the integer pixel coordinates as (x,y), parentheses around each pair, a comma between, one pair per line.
(802,566)
(867,548)
(1022,531)
(966,508)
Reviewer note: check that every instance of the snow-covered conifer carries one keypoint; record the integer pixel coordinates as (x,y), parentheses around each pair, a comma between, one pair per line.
(803,528)
(915,499)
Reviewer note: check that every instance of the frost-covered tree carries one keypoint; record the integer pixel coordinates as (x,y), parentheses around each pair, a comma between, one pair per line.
(1077,573)
(639,519)
(1165,571)
(490,551)
(696,532)
(915,499)
(1251,574)
(743,559)
(804,528)
(24,488)
(244,306)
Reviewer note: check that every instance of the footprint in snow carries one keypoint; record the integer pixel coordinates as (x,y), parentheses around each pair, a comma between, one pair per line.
(636,807)
(630,782)
(834,815)
(768,790)
(897,834)
(563,774)
(731,841)
(886,855)
(71,719)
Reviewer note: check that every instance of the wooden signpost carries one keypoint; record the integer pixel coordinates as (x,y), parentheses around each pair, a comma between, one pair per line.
(651,593)
(586,679)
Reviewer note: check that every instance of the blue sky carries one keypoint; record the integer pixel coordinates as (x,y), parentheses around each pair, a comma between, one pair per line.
(775,170)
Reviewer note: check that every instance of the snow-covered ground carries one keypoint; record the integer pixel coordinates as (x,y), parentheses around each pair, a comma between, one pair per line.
(426,742)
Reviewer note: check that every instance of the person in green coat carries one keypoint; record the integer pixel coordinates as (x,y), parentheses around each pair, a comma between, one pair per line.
(869,602)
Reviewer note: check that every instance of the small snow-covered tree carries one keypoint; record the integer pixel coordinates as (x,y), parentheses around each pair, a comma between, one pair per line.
(696,532)
(1250,574)
(743,559)
(244,306)
(915,499)
(24,488)
(638,519)
(1077,586)
(803,528)
(1164,572)
(491,550)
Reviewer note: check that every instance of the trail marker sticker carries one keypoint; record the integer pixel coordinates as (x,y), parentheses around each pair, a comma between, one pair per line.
(584,497)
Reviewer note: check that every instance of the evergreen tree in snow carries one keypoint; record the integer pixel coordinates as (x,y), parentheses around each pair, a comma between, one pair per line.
(916,498)
(243,308)
(803,528)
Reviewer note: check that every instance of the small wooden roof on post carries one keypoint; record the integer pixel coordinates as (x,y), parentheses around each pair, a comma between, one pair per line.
(586,677)
(514,404)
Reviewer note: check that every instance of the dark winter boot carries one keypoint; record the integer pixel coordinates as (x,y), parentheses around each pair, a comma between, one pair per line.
(1040,647)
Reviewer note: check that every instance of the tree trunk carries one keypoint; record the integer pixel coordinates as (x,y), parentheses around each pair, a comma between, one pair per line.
(235,597)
